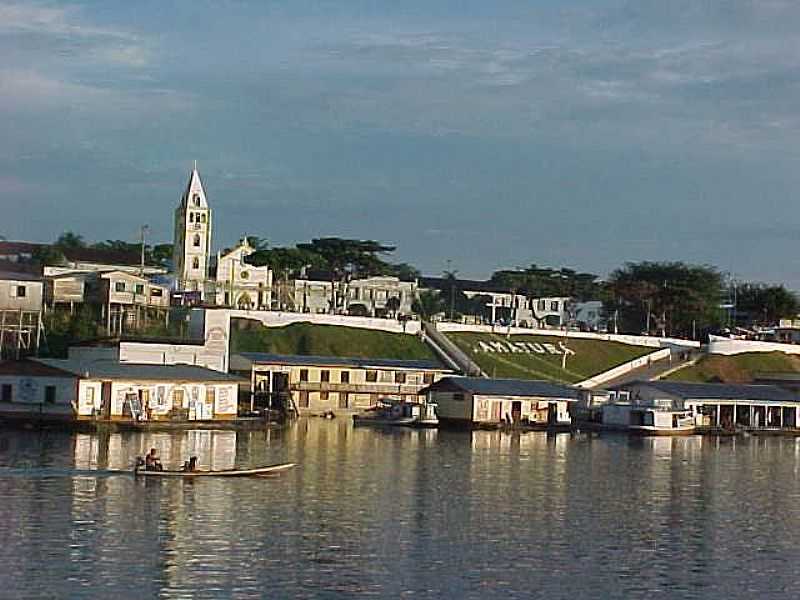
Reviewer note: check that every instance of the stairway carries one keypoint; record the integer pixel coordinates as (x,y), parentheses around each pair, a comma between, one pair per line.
(450,354)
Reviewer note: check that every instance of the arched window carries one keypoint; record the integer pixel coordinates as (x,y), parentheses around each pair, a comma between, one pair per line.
(203,218)
(197,199)
(195,263)
(191,217)
(196,241)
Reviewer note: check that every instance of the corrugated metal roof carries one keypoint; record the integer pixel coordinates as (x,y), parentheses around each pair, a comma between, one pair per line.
(19,276)
(339,361)
(111,369)
(717,391)
(506,387)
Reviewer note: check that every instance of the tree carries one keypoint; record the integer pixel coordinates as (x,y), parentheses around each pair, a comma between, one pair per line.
(766,304)
(49,256)
(69,240)
(161,254)
(428,304)
(671,298)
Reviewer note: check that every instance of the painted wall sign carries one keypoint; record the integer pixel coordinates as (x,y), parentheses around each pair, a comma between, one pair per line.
(523,348)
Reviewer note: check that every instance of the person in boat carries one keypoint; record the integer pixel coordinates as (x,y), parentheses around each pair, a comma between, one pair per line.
(190,465)
(152,462)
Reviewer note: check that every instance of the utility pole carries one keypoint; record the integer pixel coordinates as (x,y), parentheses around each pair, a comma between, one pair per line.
(142,234)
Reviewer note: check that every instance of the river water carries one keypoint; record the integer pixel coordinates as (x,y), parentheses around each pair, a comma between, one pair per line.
(401,514)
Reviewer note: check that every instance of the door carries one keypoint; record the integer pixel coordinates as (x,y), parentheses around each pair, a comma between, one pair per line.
(516,411)
(210,397)
(344,400)
(497,411)
(105,402)
(552,413)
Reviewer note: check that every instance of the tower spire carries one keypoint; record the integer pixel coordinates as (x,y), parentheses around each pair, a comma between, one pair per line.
(195,164)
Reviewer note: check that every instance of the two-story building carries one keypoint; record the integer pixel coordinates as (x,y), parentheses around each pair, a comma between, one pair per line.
(21,296)
(127,301)
(322,383)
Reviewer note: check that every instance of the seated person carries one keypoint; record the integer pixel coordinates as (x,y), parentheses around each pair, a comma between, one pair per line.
(151,461)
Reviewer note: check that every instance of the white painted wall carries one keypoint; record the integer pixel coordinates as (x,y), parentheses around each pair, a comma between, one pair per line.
(618,371)
(729,347)
(11,300)
(30,389)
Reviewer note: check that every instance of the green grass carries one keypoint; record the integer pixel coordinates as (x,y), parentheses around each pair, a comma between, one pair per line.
(591,357)
(326,340)
(738,368)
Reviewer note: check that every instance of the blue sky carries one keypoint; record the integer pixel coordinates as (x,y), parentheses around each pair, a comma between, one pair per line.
(570,133)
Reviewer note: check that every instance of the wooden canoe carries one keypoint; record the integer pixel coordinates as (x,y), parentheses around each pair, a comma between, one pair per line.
(268,470)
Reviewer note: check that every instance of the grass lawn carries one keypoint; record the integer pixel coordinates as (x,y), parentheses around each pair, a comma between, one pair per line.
(325,340)
(738,368)
(591,357)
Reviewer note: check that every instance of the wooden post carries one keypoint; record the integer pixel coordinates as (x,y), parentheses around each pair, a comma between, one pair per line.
(2,330)
(19,334)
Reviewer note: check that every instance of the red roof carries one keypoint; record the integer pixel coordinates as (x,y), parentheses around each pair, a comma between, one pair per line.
(31,368)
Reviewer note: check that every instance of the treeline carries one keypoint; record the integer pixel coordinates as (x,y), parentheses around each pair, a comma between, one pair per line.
(668,298)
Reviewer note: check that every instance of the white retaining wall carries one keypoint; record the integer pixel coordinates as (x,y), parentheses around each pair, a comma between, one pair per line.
(618,371)
(279,319)
(728,347)
(632,340)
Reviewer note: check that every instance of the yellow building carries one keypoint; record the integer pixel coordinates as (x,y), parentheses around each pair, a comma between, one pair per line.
(321,383)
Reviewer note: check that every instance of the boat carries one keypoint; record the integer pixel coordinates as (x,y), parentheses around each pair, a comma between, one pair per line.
(647,419)
(399,414)
(257,472)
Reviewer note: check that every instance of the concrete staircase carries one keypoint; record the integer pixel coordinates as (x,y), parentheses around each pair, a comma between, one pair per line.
(450,354)
(678,359)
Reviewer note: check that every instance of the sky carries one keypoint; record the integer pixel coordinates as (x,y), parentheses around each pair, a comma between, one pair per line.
(578,133)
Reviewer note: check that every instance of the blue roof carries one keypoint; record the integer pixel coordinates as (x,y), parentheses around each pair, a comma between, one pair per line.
(506,387)
(111,369)
(301,360)
(717,391)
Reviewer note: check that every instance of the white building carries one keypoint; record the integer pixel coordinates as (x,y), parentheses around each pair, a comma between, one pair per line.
(380,296)
(238,284)
(192,237)
(21,297)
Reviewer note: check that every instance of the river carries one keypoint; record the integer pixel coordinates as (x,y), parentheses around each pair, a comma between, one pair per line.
(401,514)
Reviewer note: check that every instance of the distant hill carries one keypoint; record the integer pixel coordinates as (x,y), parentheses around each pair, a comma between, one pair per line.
(737,368)
(539,357)
(325,340)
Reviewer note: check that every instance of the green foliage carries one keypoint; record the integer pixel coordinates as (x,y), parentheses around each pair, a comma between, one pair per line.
(428,304)
(766,303)
(286,260)
(591,357)
(69,239)
(536,281)
(325,340)
(358,258)
(63,329)
(49,256)
(681,298)
(738,368)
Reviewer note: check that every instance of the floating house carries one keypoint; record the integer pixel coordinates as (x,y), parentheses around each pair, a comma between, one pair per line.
(115,391)
(322,383)
(477,401)
(720,405)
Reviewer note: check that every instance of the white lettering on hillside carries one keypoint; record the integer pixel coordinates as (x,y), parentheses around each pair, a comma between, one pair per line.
(522,348)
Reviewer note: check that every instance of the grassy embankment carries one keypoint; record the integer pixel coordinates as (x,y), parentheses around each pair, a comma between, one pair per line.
(325,340)
(591,357)
(738,368)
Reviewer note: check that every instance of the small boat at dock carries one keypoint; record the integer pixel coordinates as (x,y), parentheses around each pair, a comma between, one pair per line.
(257,472)
(402,414)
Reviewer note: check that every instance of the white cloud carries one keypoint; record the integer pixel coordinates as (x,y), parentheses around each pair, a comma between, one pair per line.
(50,20)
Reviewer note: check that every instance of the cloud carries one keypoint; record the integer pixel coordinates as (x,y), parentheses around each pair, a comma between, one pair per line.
(51,20)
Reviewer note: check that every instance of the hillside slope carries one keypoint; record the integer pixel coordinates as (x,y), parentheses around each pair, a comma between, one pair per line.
(539,357)
(738,368)
(325,340)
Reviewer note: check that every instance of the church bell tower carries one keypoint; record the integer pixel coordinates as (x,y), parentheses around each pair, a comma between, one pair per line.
(192,237)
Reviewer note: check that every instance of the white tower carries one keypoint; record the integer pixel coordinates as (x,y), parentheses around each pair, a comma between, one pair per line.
(192,236)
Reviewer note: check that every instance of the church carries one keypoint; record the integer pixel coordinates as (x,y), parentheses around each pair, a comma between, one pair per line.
(225,279)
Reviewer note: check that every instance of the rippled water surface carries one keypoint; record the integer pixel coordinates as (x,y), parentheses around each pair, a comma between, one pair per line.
(421,514)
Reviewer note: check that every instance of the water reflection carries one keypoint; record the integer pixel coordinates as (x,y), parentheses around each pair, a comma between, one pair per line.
(391,512)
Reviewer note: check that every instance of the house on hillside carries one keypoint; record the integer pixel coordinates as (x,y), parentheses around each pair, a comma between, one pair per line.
(21,296)
(477,401)
(380,296)
(321,383)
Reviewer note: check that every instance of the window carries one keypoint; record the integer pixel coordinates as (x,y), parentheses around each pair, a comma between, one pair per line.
(21,291)
(177,399)
(197,199)
(139,288)
(303,374)
(554,305)
(400,377)
(5,394)
(90,397)
(303,400)
(157,292)
(119,286)
(541,304)
(345,376)
(325,376)
(196,240)
(50,394)
(428,378)
(195,263)
(323,396)
(191,217)
(459,397)
(203,218)
(372,376)
(245,275)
